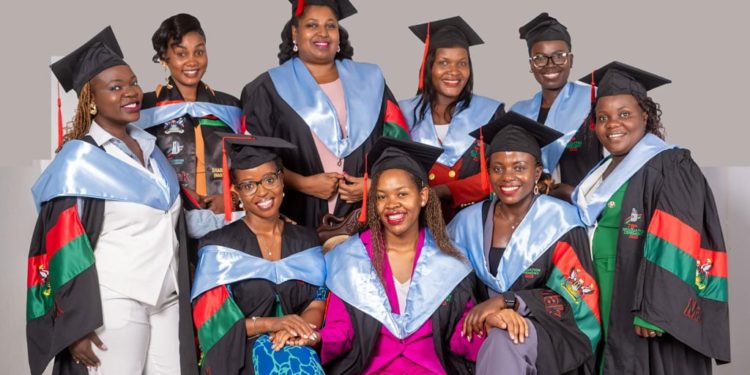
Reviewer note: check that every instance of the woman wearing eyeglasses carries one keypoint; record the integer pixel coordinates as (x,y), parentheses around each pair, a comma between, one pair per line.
(258,284)
(561,105)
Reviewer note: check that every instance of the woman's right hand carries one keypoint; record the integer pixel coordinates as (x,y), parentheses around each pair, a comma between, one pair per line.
(322,185)
(511,321)
(82,352)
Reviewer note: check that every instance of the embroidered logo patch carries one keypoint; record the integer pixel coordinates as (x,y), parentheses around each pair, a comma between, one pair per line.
(692,310)
(573,145)
(531,272)
(553,303)
(701,273)
(44,274)
(631,228)
(175,126)
(575,285)
(474,153)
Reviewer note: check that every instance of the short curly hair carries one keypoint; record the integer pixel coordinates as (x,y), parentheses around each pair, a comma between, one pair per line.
(286,51)
(173,29)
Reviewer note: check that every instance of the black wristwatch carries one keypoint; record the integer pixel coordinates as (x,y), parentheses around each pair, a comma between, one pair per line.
(509,298)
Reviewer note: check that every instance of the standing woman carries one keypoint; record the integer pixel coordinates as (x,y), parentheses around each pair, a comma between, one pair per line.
(332,108)
(400,289)
(258,284)
(108,273)
(539,304)
(658,250)
(186,114)
(561,105)
(446,110)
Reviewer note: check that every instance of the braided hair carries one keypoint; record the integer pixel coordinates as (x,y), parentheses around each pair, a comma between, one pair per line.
(81,123)
(430,216)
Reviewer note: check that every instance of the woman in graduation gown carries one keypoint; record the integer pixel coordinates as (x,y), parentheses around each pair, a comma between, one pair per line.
(332,108)
(562,105)
(185,114)
(659,254)
(108,275)
(445,110)
(399,289)
(539,300)
(258,284)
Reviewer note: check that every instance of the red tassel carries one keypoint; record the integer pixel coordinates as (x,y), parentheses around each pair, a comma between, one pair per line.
(363,211)
(225,182)
(243,126)
(300,8)
(59,119)
(424,59)
(483,164)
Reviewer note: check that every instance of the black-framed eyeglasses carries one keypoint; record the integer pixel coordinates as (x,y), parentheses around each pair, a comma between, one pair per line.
(268,181)
(558,58)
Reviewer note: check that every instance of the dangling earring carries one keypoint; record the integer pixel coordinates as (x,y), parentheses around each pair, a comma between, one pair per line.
(338,49)
(295,48)
(92,109)
(536,189)
(168,84)
(163,64)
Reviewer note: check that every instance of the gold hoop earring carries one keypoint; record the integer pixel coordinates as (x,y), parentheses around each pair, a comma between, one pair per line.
(536,189)
(92,109)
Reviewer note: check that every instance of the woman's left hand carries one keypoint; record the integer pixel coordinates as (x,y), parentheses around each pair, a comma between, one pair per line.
(214,203)
(645,332)
(351,188)
(474,321)
(511,321)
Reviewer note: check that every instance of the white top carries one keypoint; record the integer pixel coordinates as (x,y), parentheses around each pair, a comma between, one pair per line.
(138,244)
(442,131)
(402,290)
(587,187)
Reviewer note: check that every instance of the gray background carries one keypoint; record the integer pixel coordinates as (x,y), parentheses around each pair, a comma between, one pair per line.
(701,47)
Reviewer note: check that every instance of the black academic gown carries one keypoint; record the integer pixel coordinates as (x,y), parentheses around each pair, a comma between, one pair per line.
(182,131)
(676,204)
(77,309)
(232,354)
(267,114)
(581,153)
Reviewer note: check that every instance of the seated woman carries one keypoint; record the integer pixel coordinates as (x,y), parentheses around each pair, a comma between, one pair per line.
(329,106)
(258,284)
(658,250)
(532,255)
(186,114)
(108,271)
(400,289)
(446,110)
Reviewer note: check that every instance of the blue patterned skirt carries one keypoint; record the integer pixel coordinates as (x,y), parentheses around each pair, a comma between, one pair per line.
(290,360)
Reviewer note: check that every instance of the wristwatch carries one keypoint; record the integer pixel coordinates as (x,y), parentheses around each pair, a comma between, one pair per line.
(509,298)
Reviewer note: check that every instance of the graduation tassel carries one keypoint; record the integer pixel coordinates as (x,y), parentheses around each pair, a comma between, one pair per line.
(300,8)
(59,119)
(420,86)
(363,211)
(225,182)
(243,126)
(483,164)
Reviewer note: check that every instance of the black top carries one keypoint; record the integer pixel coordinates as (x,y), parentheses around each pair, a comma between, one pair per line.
(496,253)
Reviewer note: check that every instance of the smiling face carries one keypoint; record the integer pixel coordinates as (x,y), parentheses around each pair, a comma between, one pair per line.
(117,96)
(551,76)
(398,202)
(264,203)
(450,72)
(620,123)
(317,34)
(187,59)
(513,175)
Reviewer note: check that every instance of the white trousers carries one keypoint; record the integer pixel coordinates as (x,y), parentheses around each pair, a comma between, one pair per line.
(140,338)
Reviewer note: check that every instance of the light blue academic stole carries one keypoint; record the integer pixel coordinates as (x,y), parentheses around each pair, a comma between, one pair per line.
(228,114)
(363,92)
(648,147)
(352,278)
(219,265)
(570,109)
(84,170)
(546,222)
(458,140)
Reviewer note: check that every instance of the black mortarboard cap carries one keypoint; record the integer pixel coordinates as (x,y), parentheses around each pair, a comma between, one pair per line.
(342,8)
(542,28)
(248,151)
(617,78)
(413,157)
(449,32)
(516,132)
(88,60)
